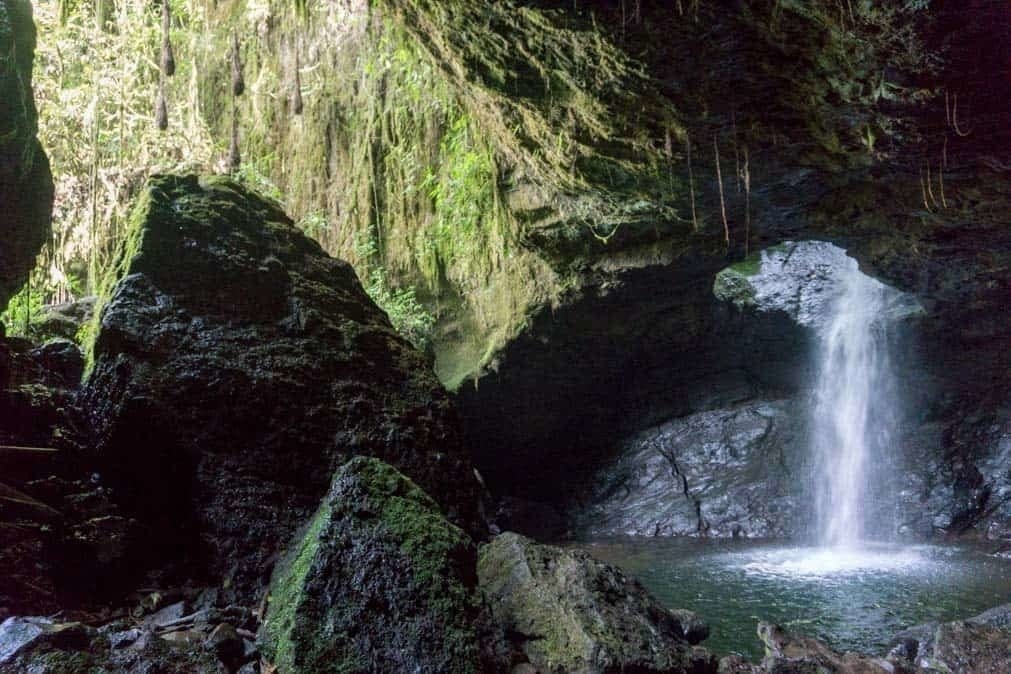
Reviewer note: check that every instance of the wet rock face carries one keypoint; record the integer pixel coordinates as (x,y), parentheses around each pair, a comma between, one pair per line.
(379,582)
(709,436)
(789,653)
(725,473)
(966,490)
(26,185)
(566,612)
(235,367)
(979,644)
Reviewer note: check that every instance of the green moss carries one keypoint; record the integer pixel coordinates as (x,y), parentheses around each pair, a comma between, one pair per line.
(285,595)
(412,517)
(128,249)
(749,266)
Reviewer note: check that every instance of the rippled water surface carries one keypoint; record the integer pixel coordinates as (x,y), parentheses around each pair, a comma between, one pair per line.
(853,600)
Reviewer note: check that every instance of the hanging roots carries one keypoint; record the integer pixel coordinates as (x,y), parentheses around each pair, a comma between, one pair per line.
(723,203)
(161,109)
(691,183)
(168,61)
(238,84)
(296,94)
(234,158)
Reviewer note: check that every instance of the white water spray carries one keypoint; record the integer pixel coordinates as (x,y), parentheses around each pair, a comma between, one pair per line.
(852,411)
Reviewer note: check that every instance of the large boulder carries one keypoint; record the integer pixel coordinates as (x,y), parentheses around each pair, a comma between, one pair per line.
(235,367)
(26,184)
(379,582)
(722,473)
(567,612)
(802,280)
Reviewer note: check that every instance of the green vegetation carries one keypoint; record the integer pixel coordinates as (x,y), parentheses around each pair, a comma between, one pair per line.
(22,310)
(448,148)
(749,266)
(408,315)
(487,173)
(254,174)
(128,247)
(96,77)
(423,132)
(413,518)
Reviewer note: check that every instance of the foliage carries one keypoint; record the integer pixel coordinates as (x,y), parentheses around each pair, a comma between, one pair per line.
(23,308)
(408,315)
(313,224)
(96,79)
(254,173)
(420,122)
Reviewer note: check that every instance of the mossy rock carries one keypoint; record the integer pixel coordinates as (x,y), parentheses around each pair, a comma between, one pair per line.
(378,582)
(572,613)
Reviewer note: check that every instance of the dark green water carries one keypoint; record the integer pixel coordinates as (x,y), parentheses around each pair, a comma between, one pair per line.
(852,601)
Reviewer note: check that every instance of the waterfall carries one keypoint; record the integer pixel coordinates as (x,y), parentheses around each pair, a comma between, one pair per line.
(852,409)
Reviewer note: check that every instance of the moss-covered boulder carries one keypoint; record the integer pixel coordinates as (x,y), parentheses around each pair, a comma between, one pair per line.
(235,366)
(378,582)
(26,185)
(570,613)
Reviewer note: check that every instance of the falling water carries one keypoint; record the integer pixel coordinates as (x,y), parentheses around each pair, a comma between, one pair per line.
(852,408)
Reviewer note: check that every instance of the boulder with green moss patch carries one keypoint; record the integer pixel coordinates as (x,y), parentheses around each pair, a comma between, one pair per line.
(379,582)
(235,366)
(570,613)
